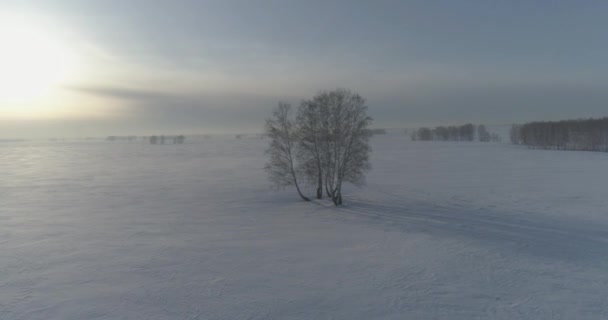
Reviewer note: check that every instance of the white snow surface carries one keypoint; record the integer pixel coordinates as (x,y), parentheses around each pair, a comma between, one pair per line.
(442,230)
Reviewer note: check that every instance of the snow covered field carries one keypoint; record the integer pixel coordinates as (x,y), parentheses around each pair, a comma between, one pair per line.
(96,230)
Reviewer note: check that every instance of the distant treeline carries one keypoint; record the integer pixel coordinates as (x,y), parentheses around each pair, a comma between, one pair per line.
(167,139)
(121,138)
(467,132)
(152,139)
(581,135)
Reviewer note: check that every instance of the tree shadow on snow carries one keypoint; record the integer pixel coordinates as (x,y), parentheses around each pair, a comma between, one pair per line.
(535,234)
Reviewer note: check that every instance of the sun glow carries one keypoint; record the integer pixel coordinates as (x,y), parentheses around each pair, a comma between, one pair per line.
(33,62)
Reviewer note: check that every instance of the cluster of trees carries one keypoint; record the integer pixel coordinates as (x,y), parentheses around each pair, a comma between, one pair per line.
(452,133)
(466,132)
(325,145)
(167,139)
(582,134)
(483,135)
(152,139)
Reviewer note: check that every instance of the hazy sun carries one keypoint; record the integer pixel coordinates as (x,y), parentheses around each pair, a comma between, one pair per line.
(33,61)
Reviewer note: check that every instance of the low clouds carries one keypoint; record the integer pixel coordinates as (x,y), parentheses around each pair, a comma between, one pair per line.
(123,93)
(157,110)
(150,111)
(433,104)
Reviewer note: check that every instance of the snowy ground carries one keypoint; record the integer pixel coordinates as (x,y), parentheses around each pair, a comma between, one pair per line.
(101,230)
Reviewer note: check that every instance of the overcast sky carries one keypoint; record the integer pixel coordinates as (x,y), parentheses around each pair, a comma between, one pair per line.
(220,66)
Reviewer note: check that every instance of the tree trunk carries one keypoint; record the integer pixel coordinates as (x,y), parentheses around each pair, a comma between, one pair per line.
(327,188)
(320,186)
(295,181)
(337,194)
(301,195)
(335,197)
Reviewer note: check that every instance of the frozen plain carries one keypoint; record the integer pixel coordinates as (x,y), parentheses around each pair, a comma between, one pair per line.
(96,230)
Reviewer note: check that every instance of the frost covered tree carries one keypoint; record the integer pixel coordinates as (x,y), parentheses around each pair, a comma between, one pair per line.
(311,141)
(328,143)
(345,144)
(283,135)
